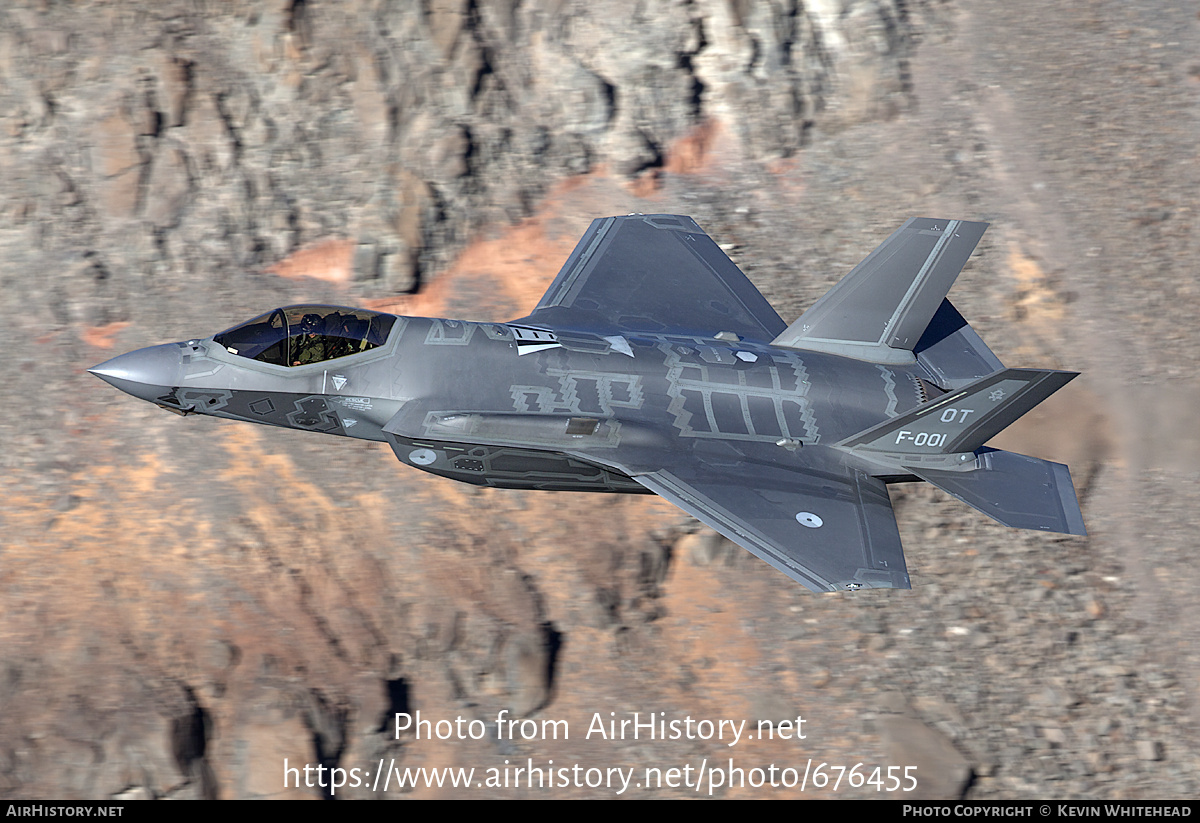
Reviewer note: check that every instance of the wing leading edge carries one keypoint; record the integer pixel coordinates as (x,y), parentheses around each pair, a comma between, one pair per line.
(654,273)
(828,530)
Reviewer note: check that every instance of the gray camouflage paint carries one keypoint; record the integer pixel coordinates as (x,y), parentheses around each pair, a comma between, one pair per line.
(683,385)
(653,365)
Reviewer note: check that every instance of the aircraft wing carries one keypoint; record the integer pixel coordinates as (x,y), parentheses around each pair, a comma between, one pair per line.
(654,273)
(830,529)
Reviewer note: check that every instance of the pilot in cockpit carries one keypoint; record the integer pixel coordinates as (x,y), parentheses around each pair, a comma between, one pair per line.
(309,346)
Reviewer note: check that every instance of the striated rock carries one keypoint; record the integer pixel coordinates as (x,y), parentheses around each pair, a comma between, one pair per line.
(207,138)
(115,156)
(371,103)
(1149,750)
(417,210)
(703,547)
(527,670)
(942,772)
(450,153)
(445,19)
(189,604)
(176,79)
(169,184)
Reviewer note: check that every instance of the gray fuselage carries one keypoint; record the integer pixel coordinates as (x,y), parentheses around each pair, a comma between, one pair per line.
(653,364)
(508,406)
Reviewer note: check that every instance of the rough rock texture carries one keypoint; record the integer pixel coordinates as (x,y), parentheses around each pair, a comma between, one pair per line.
(189,603)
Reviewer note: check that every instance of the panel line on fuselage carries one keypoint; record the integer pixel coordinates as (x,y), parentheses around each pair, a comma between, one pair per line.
(797,423)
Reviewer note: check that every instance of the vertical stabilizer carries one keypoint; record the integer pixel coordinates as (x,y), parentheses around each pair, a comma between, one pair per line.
(952,352)
(880,310)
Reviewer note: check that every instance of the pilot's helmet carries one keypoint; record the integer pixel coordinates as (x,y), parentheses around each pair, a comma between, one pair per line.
(311,324)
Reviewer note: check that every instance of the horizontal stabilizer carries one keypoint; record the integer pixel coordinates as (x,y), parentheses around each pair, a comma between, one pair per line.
(880,310)
(1018,491)
(962,421)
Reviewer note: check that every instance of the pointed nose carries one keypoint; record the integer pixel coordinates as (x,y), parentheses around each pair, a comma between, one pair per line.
(146,373)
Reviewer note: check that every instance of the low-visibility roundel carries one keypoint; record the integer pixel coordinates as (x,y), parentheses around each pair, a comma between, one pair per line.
(809,519)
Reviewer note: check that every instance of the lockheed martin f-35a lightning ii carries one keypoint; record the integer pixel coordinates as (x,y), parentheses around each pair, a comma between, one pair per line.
(652,364)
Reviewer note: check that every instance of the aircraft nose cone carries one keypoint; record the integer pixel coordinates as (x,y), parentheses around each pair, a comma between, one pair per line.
(146,373)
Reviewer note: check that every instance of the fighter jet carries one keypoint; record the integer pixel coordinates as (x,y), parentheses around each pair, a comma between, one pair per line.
(653,364)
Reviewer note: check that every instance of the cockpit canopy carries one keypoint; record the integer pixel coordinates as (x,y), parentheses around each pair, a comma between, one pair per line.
(300,335)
